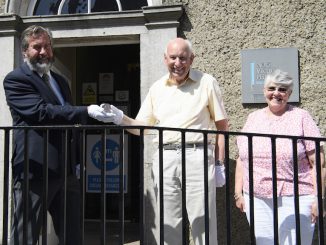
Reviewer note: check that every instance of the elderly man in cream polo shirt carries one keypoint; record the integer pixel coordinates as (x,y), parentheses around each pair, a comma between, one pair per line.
(184,98)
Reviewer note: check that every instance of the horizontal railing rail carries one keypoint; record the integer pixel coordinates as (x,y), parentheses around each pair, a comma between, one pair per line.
(104,131)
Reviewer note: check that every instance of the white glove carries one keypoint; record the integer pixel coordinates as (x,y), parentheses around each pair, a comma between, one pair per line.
(219,175)
(99,114)
(117,114)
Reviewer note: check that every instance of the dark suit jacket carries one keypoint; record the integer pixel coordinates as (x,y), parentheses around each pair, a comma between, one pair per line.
(33,103)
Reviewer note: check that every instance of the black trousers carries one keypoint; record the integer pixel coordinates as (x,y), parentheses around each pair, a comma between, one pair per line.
(55,208)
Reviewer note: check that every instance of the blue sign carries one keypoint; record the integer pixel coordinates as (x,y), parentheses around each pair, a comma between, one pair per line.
(111,160)
(112,157)
(111,184)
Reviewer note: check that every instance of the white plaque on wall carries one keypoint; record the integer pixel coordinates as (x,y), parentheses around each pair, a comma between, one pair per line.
(257,63)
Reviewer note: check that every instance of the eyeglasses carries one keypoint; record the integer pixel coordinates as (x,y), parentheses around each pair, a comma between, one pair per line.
(281,90)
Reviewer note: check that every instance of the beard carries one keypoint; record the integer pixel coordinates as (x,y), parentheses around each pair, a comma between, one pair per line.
(39,65)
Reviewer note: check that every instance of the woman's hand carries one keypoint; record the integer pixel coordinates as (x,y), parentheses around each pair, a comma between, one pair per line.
(314,211)
(238,196)
(240,202)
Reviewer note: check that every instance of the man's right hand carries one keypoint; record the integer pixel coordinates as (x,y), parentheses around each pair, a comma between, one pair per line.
(99,114)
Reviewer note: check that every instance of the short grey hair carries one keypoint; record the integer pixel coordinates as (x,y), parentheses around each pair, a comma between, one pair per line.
(280,78)
(36,31)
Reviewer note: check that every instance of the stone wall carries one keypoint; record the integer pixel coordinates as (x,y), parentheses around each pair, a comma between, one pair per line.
(2,6)
(220,29)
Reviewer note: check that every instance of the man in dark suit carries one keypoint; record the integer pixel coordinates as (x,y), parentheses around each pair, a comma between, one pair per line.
(38,96)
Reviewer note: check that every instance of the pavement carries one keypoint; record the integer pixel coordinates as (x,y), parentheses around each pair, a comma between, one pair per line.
(93,233)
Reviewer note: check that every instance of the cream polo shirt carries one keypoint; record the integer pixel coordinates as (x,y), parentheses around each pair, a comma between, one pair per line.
(195,104)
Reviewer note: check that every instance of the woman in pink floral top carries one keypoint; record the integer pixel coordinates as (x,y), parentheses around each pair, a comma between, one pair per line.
(279,118)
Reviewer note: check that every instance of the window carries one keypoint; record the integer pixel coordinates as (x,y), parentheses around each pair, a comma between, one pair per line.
(54,7)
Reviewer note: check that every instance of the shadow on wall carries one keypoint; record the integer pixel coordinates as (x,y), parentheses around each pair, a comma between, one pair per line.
(240,232)
(186,25)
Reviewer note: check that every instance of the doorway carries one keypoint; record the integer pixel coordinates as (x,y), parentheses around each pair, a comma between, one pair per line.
(108,74)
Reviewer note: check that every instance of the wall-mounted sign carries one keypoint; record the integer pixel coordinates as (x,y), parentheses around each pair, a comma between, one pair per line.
(122,95)
(105,85)
(105,98)
(113,162)
(89,95)
(257,63)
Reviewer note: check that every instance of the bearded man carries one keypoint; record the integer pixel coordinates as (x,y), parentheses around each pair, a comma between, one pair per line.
(38,96)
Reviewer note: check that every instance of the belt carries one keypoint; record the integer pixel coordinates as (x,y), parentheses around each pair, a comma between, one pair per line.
(179,146)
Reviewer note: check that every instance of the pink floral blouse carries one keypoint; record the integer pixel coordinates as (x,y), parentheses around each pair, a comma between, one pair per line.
(295,122)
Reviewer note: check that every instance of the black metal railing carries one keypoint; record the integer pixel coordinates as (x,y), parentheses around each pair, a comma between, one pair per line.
(104,131)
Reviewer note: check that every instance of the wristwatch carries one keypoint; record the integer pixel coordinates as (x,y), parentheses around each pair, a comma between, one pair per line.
(219,162)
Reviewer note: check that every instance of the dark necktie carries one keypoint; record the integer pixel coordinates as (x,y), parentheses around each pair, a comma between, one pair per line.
(46,79)
(55,89)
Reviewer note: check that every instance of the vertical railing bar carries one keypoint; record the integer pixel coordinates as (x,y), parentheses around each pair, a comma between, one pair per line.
(319,193)
(26,188)
(141,188)
(183,189)
(5,189)
(65,185)
(161,187)
(82,185)
(103,188)
(206,189)
(45,185)
(251,190)
(274,182)
(121,189)
(227,188)
(296,191)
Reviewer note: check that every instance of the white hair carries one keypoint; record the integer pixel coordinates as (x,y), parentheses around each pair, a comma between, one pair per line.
(279,78)
(189,45)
